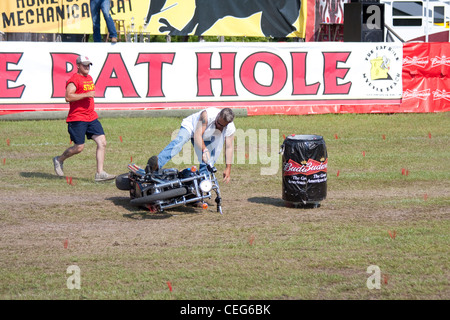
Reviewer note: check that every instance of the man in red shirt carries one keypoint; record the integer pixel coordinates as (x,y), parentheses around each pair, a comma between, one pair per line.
(82,120)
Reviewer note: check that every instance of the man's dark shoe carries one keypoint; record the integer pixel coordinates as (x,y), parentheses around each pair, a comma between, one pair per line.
(152,164)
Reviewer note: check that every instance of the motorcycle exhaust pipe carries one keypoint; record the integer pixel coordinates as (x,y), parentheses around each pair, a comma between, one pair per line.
(184,202)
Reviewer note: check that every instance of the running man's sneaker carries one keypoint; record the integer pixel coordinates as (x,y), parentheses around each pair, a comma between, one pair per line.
(103,176)
(58,166)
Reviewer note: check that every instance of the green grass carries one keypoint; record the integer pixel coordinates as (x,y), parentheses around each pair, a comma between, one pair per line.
(259,248)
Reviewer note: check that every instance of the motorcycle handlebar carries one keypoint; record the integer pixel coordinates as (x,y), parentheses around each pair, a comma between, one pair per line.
(211,168)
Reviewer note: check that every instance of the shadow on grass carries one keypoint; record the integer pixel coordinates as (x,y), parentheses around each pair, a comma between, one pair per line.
(139,213)
(48,176)
(276,202)
(40,175)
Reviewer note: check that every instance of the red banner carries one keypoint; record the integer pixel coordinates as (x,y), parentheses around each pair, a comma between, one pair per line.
(274,78)
(426,75)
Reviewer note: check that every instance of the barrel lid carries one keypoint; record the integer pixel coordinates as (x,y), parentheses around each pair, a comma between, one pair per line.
(305,137)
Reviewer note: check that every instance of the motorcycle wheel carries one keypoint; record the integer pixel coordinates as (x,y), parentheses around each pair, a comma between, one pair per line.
(123,182)
(172,193)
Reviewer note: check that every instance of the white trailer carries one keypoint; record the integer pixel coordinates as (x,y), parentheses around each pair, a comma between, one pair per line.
(415,20)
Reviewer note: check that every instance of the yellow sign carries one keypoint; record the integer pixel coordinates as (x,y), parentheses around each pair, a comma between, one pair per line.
(380,68)
(60,16)
(269,18)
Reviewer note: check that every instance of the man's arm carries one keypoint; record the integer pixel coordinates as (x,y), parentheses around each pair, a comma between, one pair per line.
(71,96)
(198,136)
(229,151)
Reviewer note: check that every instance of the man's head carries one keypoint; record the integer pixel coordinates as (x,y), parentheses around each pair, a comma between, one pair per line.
(84,65)
(224,117)
(84,60)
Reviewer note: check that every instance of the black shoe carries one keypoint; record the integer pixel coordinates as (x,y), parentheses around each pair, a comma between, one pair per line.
(152,164)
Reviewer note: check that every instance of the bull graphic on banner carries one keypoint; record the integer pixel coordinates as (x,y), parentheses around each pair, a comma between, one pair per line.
(277,16)
(253,18)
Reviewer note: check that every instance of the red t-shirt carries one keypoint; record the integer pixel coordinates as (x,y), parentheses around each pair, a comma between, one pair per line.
(82,110)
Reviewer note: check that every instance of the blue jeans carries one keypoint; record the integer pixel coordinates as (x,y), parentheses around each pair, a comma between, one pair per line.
(175,146)
(104,6)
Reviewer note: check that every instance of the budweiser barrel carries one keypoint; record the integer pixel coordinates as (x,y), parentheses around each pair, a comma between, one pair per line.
(305,162)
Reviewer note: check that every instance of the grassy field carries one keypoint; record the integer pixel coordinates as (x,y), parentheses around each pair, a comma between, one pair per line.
(388,206)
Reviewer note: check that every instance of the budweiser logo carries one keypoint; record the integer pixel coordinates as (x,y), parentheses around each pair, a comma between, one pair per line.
(414,61)
(410,94)
(312,166)
(439,61)
(438,94)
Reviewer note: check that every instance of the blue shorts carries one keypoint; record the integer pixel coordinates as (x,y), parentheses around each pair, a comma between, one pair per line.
(79,129)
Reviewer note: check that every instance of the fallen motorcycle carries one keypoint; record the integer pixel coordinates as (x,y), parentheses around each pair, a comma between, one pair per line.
(169,188)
